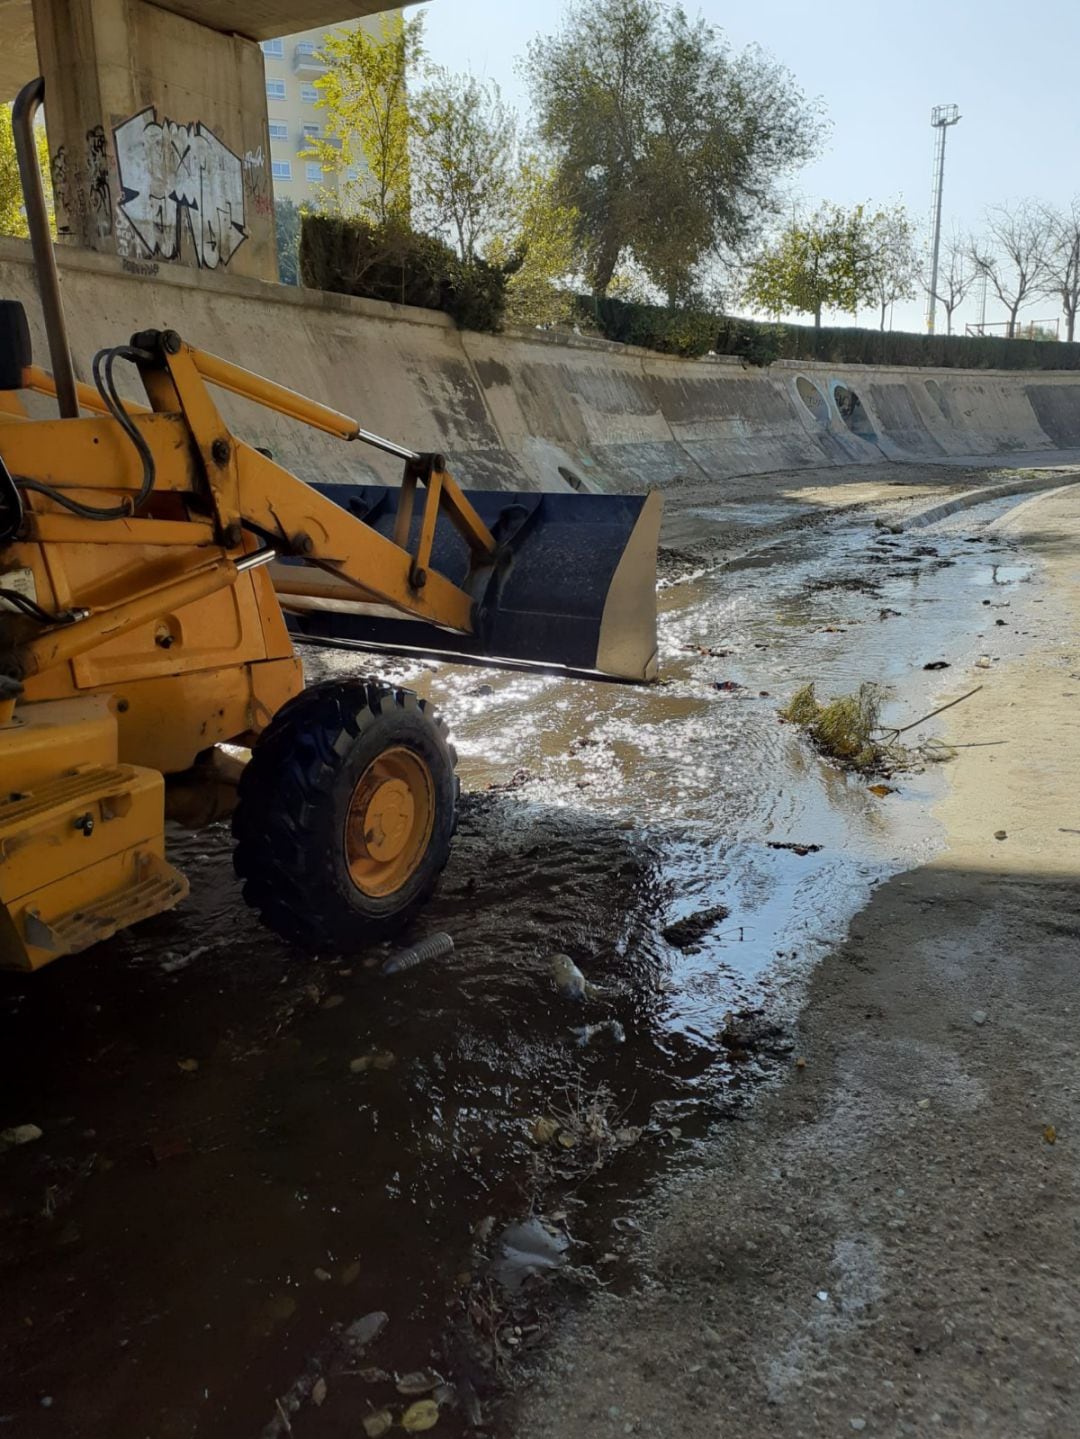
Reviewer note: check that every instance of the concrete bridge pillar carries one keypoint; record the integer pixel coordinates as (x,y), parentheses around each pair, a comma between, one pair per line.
(157,137)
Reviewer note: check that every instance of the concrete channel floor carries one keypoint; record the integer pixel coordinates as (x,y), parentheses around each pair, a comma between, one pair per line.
(889,1243)
(247,1152)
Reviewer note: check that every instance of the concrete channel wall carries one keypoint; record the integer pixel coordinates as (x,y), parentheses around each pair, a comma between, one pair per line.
(525,410)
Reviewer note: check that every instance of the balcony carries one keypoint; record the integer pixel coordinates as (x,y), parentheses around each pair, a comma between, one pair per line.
(306,59)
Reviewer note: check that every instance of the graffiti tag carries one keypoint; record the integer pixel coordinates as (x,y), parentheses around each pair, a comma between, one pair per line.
(97,181)
(177,181)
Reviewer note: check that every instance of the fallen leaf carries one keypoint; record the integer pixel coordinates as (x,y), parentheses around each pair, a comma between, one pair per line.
(424,1414)
(544,1130)
(881,790)
(420,1381)
(189,1066)
(567,1141)
(318,1391)
(1050,1134)
(378,1423)
(332,1001)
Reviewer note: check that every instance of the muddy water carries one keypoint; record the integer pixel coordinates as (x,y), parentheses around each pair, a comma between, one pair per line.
(183,1249)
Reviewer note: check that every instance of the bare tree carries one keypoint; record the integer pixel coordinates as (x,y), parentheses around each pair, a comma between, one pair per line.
(890,263)
(1014,255)
(956,275)
(1063,263)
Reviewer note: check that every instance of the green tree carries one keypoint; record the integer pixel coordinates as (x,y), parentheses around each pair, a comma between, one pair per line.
(540,253)
(667,145)
(366,134)
(12,211)
(890,264)
(287,234)
(816,262)
(463,160)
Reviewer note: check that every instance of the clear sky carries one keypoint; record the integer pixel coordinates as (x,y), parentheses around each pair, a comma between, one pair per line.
(1012,66)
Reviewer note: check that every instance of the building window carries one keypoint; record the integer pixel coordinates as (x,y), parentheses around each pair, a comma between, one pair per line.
(304,47)
(352,173)
(281,169)
(308,93)
(313,172)
(278,130)
(312,132)
(275,89)
(276,48)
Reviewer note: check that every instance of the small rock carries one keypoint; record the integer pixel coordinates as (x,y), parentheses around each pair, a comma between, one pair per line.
(979,1016)
(937,665)
(858,1425)
(20,1134)
(823,1296)
(1000,834)
(923,1104)
(613,1411)
(983,662)
(323,1276)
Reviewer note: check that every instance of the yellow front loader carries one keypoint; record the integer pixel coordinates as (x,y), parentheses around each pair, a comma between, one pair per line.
(152,565)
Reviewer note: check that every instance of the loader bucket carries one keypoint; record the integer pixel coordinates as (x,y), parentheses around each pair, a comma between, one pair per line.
(574,589)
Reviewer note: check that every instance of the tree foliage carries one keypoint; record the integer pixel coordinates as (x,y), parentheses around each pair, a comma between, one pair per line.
(464,155)
(539,253)
(12,210)
(668,146)
(956,275)
(1014,255)
(287,235)
(1062,278)
(366,133)
(890,265)
(816,262)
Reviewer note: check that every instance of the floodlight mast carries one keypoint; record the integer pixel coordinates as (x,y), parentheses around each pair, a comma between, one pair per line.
(941,117)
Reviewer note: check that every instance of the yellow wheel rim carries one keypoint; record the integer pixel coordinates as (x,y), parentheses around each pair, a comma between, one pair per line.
(388,827)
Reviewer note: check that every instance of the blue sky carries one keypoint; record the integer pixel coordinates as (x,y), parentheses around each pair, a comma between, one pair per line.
(1011,67)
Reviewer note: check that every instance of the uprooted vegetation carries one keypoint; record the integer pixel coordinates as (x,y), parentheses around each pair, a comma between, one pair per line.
(846,729)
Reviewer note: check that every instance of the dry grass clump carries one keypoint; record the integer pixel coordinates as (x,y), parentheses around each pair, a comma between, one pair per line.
(847,729)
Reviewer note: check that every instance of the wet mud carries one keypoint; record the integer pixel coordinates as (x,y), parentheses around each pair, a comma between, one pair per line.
(247,1153)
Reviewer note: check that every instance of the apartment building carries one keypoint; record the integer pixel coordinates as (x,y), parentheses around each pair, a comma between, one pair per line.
(292,67)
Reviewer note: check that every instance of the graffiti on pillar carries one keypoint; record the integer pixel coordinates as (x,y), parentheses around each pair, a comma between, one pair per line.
(257,182)
(181,190)
(61,192)
(99,192)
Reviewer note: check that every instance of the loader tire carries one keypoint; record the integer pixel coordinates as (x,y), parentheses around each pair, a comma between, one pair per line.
(345,814)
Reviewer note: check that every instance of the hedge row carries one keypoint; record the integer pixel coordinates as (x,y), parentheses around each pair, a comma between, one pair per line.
(695,332)
(392,262)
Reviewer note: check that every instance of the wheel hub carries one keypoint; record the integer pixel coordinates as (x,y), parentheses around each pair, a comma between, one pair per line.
(390,821)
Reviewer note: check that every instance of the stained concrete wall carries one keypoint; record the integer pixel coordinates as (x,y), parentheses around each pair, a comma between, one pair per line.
(526,411)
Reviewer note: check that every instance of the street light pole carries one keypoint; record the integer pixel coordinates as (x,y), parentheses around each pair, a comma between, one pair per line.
(941,117)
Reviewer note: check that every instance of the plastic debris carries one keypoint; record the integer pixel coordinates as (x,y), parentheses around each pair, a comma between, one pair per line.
(424,1414)
(528,1250)
(436,946)
(728,687)
(419,1381)
(983,662)
(609,1028)
(362,1332)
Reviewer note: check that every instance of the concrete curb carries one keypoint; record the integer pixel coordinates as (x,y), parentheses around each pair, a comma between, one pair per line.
(982,496)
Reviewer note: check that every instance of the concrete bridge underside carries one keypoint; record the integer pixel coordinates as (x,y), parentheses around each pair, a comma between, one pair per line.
(253,19)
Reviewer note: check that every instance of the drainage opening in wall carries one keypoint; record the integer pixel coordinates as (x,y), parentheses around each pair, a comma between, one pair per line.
(934,390)
(813,399)
(852,413)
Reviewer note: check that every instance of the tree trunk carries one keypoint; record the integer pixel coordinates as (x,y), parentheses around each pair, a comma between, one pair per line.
(817,317)
(1011,332)
(1070,325)
(884,307)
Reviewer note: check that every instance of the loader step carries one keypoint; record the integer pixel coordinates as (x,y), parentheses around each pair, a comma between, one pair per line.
(159,887)
(23,812)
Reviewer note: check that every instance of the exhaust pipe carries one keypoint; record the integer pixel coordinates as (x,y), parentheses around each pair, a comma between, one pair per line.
(27,104)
